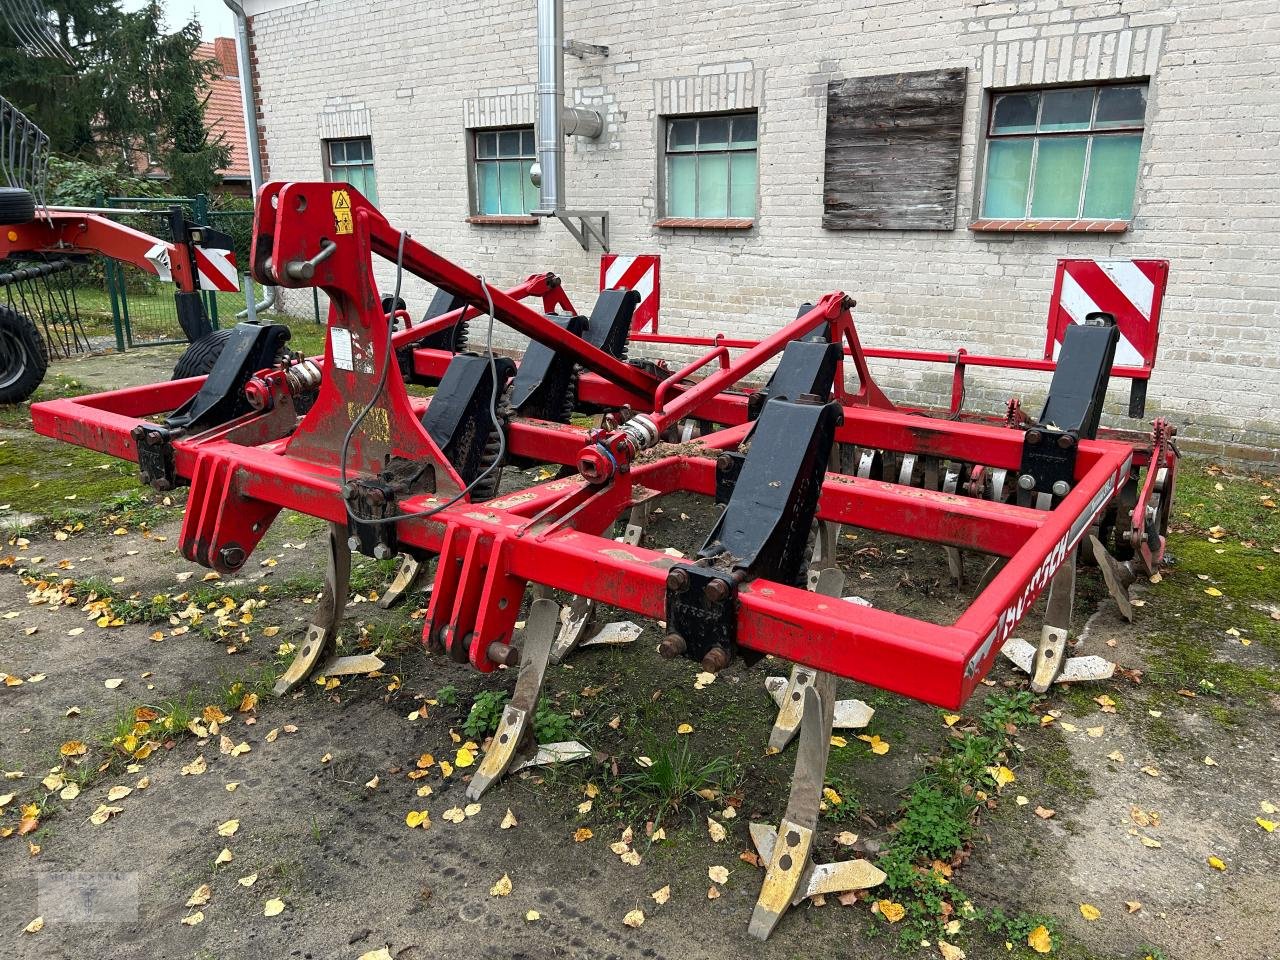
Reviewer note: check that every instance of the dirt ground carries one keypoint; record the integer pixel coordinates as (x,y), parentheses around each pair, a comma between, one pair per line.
(1144,798)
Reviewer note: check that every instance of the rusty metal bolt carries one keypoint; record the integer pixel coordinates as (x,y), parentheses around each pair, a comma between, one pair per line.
(716,591)
(724,463)
(503,654)
(1066,441)
(672,646)
(1034,437)
(162,484)
(678,580)
(232,557)
(717,659)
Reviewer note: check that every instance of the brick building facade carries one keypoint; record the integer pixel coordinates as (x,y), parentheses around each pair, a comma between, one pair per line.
(392,95)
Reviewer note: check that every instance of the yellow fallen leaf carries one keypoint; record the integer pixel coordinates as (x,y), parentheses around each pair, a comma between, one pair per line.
(417,818)
(634,918)
(1089,911)
(532,916)
(508,821)
(1216,863)
(471,809)
(713,892)
(661,896)
(718,874)
(446,768)
(270,631)
(464,758)
(878,746)
(1039,941)
(196,767)
(69,792)
(582,834)
(201,896)
(950,951)
(846,838)
(224,857)
(893,912)
(382,953)
(113,682)
(1149,842)
(1002,775)
(1213,591)
(631,858)
(585,806)
(454,815)
(716,830)
(502,888)
(73,748)
(35,926)
(273,907)
(1267,825)
(1266,806)
(591,790)
(248,881)
(1133,906)
(951,719)
(684,728)
(193,919)
(101,815)
(229,828)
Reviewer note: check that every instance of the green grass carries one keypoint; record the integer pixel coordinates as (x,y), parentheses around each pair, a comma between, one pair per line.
(671,784)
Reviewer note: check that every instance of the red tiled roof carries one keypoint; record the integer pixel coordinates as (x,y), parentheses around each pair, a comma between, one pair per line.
(224,111)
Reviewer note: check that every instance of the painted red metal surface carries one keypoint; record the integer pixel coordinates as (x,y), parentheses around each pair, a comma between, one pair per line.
(556,533)
(1130,290)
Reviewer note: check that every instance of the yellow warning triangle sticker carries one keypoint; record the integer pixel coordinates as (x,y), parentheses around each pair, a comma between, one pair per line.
(341,200)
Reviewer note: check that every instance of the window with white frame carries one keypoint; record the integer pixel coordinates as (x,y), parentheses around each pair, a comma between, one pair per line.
(501,162)
(711,166)
(351,161)
(1065,153)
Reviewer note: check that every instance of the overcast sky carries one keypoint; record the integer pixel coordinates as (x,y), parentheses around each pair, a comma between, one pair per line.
(215,19)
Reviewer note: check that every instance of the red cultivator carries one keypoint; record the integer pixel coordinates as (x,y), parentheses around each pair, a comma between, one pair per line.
(342,439)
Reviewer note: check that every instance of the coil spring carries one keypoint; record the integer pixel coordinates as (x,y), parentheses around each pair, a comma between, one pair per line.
(303,377)
(487,488)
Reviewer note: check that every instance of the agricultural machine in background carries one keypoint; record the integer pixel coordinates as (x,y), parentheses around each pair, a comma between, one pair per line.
(40,244)
(817,447)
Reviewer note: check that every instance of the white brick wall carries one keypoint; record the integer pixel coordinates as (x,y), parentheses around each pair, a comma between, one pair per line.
(1208,192)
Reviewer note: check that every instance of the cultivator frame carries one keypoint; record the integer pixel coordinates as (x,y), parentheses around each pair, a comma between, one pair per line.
(369,458)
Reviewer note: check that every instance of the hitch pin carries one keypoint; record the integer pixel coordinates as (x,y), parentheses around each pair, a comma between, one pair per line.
(306,269)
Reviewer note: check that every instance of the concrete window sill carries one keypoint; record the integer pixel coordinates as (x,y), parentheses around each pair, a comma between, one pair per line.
(1049,226)
(705,223)
(490,220)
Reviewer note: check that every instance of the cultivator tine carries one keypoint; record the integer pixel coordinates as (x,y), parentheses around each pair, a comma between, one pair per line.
(1048,663)
(323,629)
(790,874)
(577,619)
(789,693)
(514,735)
(824,551)
(410,576)
(955,564)
(1117,576)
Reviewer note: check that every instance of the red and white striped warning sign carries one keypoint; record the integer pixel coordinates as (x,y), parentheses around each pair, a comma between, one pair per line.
(217,269)
(1131,290)
(638,272)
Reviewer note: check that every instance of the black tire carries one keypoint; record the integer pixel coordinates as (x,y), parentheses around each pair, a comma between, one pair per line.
(23,356)
(16,205)
(199,358)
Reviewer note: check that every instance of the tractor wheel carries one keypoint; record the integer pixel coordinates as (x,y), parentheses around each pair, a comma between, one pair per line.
(199,358)
(16,205)
(23,357)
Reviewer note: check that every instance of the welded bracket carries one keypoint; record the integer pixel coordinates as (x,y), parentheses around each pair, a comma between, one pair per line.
(586,229)
(322,631)
(790,874)
(514,740)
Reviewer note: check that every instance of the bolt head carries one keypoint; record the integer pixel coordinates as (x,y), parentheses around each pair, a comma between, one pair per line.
(381,551)
(1061,488)
(716,591)
(1034,437)
(678,579)
(1066,441)
(717,659)
(353,543)
(672,646)
(1026,482)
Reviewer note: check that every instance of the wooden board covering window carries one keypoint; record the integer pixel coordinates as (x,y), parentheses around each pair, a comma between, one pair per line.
(893,151)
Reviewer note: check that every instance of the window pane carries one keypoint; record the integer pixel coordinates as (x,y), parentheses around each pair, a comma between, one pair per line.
(337,151)
(1015,113)
(509,143)
(526,143)
(1121,106)
(1113,177)
(713,133)
(681,178)
(371,186)
(682,134)
(742,184)
(487,188)
(1008,173)
(1059,177)
(1067,109)
(366,150)
(486,145)
(512,189)
(530,191)
(713,185)
(744,130)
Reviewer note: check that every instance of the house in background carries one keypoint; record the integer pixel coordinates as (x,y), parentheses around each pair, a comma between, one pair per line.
(932,158)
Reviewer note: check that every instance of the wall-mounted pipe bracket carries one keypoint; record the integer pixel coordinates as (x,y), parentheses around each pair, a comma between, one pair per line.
(586,229)
(579,49)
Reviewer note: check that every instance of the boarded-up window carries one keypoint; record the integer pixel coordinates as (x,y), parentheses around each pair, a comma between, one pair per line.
(893,151)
